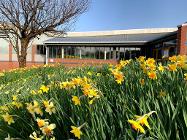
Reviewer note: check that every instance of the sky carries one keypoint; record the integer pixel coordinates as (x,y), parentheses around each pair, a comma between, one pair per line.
(131,14)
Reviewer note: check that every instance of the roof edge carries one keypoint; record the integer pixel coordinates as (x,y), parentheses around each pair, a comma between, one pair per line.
(118,32)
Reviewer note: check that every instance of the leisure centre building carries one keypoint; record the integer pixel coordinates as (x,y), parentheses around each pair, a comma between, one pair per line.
(77,48)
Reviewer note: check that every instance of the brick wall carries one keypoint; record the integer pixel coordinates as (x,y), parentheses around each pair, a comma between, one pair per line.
(182,39)
(6,65)
(83,61)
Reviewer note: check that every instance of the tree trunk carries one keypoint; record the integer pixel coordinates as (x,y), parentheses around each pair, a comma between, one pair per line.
(22,61)
(23,54)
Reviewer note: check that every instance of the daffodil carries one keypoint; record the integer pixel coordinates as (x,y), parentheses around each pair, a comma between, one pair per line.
(67,85)
(4,108)
(41,122)
(98,74)
(17,104)
(152,67)
(14,97)
(48,129)
(92,93)
(76,131)
(76,100)
(172,67)
(152,75)
(89,73)
(161,68)
(141,59)
(185,76)
(50,108)
(143,119)
(150,61)
(93,99)
(118,75)
(140,122)
(35,137)
(173,58)
(33,92)
(34,108)
(136,126)
(76,81)
(8,118)
(44,88)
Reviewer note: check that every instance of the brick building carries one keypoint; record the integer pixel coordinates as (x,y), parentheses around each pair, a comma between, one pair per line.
(99,47)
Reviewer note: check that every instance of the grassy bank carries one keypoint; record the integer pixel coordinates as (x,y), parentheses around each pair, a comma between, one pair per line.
(135,99)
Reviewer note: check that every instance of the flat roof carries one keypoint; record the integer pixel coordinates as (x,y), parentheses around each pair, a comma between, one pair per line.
(128,37)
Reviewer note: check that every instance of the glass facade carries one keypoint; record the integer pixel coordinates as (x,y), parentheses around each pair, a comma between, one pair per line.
(90,52)
(55,52)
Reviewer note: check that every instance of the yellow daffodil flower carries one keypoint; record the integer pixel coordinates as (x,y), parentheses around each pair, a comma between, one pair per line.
(172,67)
(140,122)
(17,104)
(48,129)
(136,126)
(34,108)
(76,131)
(185,76)
(160,68)
(14,97)
(89,73)
(118,76)
(76,100)
(50,108)
(45,89)
(141,59)
(33,92)
(34,136)
(173,58)
(8,118)
(76,81)
(41,122)
(150,61)
(143,119)
(152,75)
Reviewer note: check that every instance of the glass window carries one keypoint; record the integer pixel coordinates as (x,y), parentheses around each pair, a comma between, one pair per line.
(71,52)
(86,52)
(41,49)
(166,53)
(55,52)
(4,46)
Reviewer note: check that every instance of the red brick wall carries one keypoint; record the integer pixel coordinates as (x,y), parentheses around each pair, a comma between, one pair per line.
(5,65)
(66,62)
(83,61)
(182,39)
(33,52)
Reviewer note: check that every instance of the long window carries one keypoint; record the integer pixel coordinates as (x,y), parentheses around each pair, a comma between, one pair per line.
(87,52)
(55,52)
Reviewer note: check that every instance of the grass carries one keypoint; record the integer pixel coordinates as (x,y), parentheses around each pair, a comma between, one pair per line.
(106,99)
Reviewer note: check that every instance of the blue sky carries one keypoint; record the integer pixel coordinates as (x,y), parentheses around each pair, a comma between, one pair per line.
(132,14)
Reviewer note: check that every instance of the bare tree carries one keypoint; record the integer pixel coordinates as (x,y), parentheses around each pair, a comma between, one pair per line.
(24,20)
